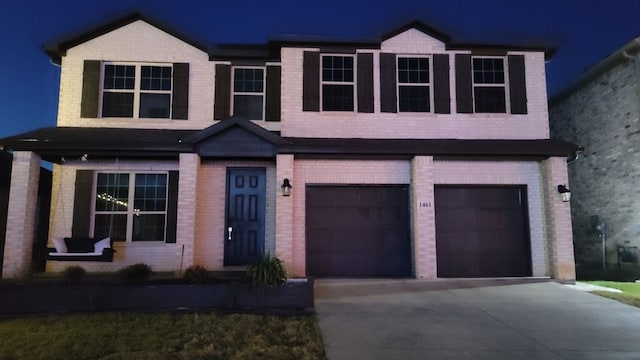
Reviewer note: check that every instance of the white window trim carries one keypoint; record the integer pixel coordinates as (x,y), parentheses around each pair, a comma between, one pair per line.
(130,213)
(352,83)
(507,99)
(136,89)
(429,84)
(263,93)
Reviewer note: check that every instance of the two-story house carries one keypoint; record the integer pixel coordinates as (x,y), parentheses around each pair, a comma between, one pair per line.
(408,156)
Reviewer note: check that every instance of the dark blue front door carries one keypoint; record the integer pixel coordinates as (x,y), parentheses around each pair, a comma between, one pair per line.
(244,230)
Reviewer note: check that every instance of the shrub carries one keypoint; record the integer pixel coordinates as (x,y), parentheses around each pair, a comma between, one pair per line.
(135,274)
(196,274)
(74,274)
(268,271)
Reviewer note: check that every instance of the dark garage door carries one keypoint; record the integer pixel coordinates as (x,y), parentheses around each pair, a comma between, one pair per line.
(482,232)
(358,231)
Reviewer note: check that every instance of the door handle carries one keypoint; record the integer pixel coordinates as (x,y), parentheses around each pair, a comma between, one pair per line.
(229,231)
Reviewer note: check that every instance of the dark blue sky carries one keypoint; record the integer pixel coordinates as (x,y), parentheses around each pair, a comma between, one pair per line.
(582,32)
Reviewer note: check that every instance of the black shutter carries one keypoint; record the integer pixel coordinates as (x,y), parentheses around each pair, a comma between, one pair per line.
(464,89)
(180,105)
(90,89)
(388,85)
(365,82)
(311,81)
(172,207)
(517,84)
(82,203)
(272,101)
(222,105)
(441,92)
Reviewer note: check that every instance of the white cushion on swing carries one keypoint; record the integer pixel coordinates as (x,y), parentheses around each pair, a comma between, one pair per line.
(101,245)
(60,245)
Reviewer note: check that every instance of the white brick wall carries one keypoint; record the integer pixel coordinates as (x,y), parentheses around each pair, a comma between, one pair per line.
(298,123)
(21,216)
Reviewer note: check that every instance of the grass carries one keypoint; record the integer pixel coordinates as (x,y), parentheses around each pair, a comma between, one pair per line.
(107,336)
(630,291)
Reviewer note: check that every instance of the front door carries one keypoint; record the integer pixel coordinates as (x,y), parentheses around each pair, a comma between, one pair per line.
(244,230)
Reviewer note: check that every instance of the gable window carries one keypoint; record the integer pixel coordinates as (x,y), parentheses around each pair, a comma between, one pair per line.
(248,93)
(489,85)
(131,206)
(414,84)
(337,83)
(142,91)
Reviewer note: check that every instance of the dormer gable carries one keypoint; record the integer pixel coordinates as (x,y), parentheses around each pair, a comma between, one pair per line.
(56,50)
(415,37)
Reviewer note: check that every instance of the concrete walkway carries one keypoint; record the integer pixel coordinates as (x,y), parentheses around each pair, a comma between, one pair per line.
(478,319)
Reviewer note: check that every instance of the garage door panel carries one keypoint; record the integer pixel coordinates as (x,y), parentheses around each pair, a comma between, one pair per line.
(485,237)
(358,231)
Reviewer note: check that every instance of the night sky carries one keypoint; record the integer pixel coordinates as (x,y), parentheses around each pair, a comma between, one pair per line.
(581,32)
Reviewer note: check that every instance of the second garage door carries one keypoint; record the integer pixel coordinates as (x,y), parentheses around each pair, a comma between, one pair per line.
(482,232)
(358,231)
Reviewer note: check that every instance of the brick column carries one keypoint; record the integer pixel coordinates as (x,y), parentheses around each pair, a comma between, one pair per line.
(423,218)
(558,219)
(23,199)
(284,213)
(187,195)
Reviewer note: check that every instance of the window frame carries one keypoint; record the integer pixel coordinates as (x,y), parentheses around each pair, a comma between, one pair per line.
(130,212)
(137,89)
(263,93)
(428,84)
(351,83)
(504,85)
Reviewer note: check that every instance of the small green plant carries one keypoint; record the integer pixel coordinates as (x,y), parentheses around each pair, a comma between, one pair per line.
(196,274)
(269,271)
(135,274)
(74,274)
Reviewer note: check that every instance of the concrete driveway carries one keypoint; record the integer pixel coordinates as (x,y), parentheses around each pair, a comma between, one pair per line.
(479,319)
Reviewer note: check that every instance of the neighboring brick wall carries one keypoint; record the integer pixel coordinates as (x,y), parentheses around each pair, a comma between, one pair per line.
(603,117)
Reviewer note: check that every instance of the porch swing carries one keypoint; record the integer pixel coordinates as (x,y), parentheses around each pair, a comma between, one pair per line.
(86,248)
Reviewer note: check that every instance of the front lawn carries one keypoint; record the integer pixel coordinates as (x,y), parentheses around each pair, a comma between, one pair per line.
(630,291)
(160,336)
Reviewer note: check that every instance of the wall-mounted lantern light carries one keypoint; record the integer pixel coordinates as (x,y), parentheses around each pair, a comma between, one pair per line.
(286,187)
(564,193)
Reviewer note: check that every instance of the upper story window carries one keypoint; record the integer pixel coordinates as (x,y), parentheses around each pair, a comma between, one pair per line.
(143,90)
(249,92)
(489,85)
(131,206)
(338,85)
(414,84)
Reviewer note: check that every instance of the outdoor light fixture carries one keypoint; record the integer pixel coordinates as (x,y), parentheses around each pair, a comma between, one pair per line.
(564,192)
(286,187)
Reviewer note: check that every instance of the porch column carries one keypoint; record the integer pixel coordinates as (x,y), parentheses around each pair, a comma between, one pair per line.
(423,218)
(284,214)
(186,219)
(558,219)
(23,199)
